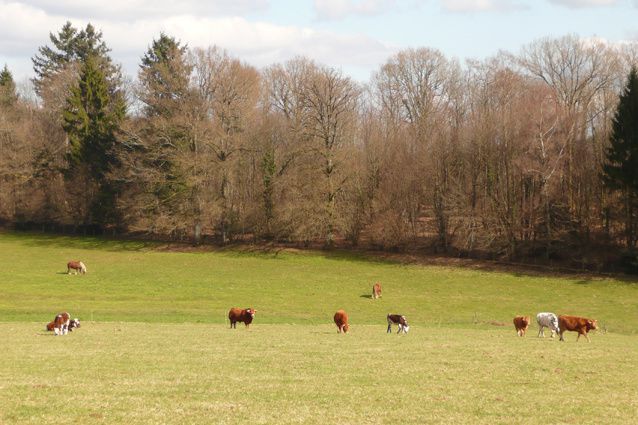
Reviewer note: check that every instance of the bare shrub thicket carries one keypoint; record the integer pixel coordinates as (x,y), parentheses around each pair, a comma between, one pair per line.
(498,157)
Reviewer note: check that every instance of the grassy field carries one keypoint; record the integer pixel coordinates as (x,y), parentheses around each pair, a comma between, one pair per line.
(154,346)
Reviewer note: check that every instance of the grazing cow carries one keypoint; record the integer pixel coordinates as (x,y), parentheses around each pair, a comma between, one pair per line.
(341,320)
(62,324)
(576,324)
(376,291)
(547,320)
(398,319)
(521,323)
(77,266)
(241,315)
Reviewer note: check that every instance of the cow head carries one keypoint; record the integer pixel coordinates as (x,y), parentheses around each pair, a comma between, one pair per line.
(406,328)
(346,327)
(592,324)
(252,312)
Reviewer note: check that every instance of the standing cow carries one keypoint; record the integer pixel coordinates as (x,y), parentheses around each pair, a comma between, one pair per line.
(547,320)
(76,266)
(241,315)
(376,291)
(581,325)
(398,319)
(341,320)
(521,323)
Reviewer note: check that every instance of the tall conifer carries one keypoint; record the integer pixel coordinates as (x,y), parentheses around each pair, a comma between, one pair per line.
(621,170)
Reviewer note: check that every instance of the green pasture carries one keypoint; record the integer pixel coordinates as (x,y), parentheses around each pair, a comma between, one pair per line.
(155,346)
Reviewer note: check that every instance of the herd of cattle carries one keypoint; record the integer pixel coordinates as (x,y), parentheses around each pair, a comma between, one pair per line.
(62,323)
(557,324)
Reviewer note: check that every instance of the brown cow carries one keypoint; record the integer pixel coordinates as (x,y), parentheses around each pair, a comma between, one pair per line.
(62,324)
(73,323)
(581,325)
(521,323)
(77,266)
(341,320)
(241,315)
(376,291)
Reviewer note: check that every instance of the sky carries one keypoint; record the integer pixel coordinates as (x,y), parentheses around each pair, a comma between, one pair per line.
(355,36)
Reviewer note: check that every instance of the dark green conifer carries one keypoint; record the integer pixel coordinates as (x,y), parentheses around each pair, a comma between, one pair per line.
(621,170)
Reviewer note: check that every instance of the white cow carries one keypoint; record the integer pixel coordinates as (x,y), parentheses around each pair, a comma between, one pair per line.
(548,320)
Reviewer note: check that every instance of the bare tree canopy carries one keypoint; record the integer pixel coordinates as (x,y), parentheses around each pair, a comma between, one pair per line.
(502,157)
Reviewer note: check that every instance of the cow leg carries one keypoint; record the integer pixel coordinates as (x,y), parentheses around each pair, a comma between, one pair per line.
(541,332)
(389,331)
(561,336)
(587,336)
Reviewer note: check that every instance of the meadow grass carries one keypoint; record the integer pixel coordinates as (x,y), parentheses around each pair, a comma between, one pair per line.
(154,346)
(131,281)
(138,373)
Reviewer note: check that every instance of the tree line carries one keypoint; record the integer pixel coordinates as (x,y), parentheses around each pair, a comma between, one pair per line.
(520,156)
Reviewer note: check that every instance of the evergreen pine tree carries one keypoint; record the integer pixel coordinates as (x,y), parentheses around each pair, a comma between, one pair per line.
(164,75)
(164,79)
(90,121)
(71,46)
(8,95)
(621,170)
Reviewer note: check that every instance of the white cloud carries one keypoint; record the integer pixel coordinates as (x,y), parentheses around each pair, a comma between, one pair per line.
(466,6)
(123,10)
(339,9)
(23,28)
(583,3)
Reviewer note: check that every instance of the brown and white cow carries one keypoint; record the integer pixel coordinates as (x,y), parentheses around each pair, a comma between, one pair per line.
(521,323)
(341,320)
(62,324)
(376,291)
(581,325)
(398,319)
(76,266)
(241,315)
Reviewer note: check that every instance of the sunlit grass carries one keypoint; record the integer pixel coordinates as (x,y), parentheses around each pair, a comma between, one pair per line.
(129,281)
(205,373)
(154,346)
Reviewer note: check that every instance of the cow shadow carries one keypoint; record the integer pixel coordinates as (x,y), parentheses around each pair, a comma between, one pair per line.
(368,296)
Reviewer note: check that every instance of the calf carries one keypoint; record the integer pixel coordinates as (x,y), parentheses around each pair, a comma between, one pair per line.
(341,320)
(74,323)
(521,323)
(62,324)
(576,324)
(241,315)
(547,320)
(376,291)
(76,266)
(398,319)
